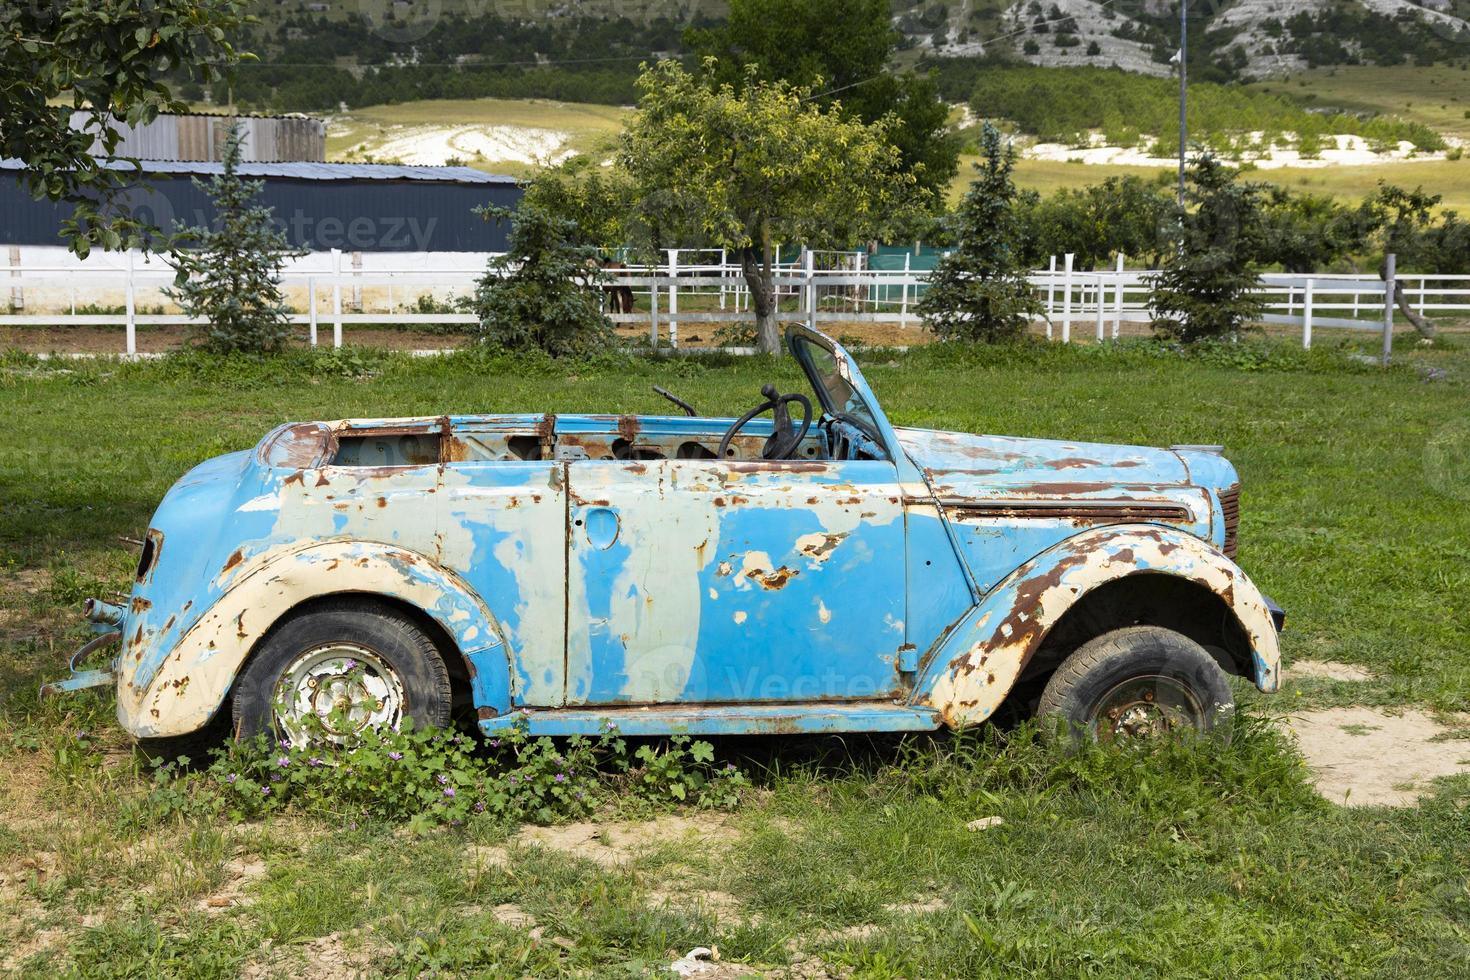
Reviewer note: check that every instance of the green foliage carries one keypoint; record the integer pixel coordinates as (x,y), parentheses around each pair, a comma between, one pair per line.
(544,293)
(431,777)
(843,51)
(1121,216)
(1311,233)
(1207,287)
(1060,104)
(1411,226)
(110,60)
(228,274)
(592,197)
(979,291)
(744,168)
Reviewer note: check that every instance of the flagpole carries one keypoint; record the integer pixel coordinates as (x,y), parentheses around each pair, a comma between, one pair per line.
(1183,93)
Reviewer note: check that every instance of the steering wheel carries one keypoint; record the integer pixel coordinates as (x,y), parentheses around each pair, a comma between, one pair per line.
(786,437)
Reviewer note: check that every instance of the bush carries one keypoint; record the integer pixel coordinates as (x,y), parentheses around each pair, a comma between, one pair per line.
(979,291)
(230,276)
(1208,286)
(545,293)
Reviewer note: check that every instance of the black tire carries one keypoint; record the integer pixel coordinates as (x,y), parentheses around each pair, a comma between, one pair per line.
(392,638)
(1139,681)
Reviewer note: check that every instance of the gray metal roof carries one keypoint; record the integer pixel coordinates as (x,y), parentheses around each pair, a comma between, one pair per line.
(309,171)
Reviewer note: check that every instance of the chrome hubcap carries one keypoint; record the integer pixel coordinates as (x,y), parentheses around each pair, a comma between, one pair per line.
(337,691)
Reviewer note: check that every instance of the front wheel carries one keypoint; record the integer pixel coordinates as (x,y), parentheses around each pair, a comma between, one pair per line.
(1139,682)
(342,668)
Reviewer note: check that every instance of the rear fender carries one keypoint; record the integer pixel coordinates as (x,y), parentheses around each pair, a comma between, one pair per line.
(199,671)
(973,667)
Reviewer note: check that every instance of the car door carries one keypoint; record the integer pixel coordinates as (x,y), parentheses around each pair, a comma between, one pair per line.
(704,581)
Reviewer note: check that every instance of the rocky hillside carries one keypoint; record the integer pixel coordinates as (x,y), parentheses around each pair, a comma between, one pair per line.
(1230,39)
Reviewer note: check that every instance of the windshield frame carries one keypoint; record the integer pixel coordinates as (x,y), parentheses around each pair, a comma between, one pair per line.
(868,417)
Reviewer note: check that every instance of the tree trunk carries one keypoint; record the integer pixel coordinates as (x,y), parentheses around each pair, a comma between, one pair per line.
(756,262)
(1420,322)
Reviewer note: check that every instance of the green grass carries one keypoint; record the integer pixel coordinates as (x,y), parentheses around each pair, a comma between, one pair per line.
(1437,96)
(1192,860)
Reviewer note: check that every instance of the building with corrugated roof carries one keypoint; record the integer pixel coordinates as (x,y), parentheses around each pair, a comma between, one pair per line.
(355,207)
(200,136)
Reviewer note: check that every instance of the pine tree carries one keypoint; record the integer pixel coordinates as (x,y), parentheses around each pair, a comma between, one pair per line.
(545,292)
(980,291)
(228,274)
(1208,286)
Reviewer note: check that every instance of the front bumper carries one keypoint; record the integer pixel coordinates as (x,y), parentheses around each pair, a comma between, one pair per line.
(107,620)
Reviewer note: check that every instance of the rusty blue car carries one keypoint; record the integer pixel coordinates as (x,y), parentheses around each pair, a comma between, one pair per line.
(806,567)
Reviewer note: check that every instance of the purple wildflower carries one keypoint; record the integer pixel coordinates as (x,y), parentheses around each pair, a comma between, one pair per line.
(395,756)
(314,761)
(350,665)
(442,779)
(495,743)
(480,806)
(515,779)
(265,791)
(449,791)
(561,777)
(231,777)
(283,761)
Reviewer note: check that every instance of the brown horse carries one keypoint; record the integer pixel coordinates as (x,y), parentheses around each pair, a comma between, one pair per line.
(619,296)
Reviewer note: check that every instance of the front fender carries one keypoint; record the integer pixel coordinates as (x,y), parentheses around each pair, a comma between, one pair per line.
(197,674)
(979,659)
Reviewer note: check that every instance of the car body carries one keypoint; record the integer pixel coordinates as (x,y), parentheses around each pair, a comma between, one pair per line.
(576,570)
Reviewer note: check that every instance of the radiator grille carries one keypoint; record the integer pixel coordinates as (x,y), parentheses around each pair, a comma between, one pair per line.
(1230,504)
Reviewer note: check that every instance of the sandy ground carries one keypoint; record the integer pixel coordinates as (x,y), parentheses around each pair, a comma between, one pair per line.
(436,145)
(1337,151)
(1378,757)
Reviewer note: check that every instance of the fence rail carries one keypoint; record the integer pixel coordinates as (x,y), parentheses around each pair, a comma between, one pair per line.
(695,287)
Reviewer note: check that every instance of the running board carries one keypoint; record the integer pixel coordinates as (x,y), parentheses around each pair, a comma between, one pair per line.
(721,719)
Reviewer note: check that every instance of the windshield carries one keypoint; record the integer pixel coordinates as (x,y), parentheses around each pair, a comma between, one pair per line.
(836,393)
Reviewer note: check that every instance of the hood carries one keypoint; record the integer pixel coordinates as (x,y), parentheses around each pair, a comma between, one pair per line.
(957,463)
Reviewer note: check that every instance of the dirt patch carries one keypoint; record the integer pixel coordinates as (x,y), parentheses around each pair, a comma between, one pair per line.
(619,842)
(325,958)
(1324,670)
(1368,757)
(239,874)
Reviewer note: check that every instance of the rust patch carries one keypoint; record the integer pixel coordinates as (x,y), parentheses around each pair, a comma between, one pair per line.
(819,550)
(382,501)
(236,558)
(140,604)
(299,478)
(1071,463)
(321,479)
(772,581)
(628,427)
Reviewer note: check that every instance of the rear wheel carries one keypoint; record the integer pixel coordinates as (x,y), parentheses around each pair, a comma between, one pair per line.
(339,669)
(1139,682)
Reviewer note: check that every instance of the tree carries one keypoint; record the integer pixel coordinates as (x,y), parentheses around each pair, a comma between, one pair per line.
(1120,216)
(1308,232)
(841,50)
(108,59)
(748,168)
(1207,288)
(979,291)
(545,291)
(229,274)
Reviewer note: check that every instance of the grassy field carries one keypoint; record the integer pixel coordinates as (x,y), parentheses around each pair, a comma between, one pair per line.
(1436,96)
(849,857)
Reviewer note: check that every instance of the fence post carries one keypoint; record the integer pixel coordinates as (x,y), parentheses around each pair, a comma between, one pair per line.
(17,293)
(1101,291)
(1308,302)
(810,289)
(1067,297)
(903,305)
(653,312)
(132,309)
(357,282)
(724,261)
(311,304)
(1118,300)
(1051,289)
(1390,285)
(673,297)
(336,297)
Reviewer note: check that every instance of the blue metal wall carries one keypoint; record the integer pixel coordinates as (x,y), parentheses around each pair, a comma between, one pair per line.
(363,214)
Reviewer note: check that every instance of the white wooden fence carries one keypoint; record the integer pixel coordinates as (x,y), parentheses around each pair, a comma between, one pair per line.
(332,291)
